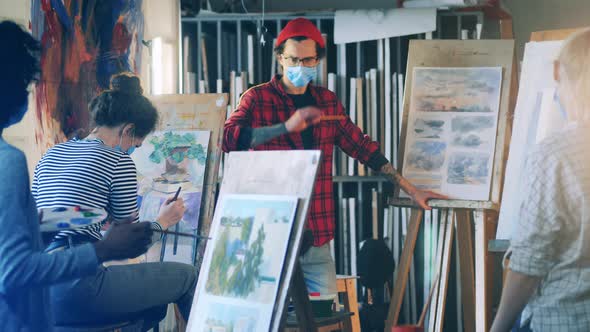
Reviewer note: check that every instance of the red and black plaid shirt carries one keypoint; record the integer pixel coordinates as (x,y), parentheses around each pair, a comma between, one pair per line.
(268,104)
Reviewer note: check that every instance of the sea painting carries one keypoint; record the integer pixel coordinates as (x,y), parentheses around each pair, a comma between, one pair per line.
(83,43)
(465,90)
(451,132)
(244,261)
(230,318)
(166,161)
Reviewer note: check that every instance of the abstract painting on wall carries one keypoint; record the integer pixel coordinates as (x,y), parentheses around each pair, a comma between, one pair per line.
(240,275)
(166,161)
(84,43)
(451,132)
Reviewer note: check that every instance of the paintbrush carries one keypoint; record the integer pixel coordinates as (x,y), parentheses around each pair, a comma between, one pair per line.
(332,117)
(182,234)
(176,195)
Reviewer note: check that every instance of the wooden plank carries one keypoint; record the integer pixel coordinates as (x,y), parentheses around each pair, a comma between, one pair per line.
(485,222)
(403,269)
(205,64)
(445,270)
(441,203)
(548,35)
(198,112)
(438,270)
(232,90)
(466,53)
(360,116)
(467,274)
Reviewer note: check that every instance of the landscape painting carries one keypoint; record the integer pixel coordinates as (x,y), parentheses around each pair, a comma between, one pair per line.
(166,161)
(244,260)
(451,133)
(472,90)
(426,156)
(230,318)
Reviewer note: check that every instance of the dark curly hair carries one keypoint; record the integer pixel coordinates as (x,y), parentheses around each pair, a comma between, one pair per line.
(124,104)
(320,51)
(19,66)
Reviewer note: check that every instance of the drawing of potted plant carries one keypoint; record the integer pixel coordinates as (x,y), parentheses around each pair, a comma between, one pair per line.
(176,150)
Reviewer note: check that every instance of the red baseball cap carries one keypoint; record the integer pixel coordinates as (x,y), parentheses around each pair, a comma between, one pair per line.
(301,27)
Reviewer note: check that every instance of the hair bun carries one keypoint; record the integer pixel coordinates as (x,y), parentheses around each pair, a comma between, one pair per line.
(126,83)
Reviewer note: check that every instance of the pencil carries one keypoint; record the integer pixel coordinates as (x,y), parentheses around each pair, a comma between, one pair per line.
(182,234)
(176,195)
(332,117)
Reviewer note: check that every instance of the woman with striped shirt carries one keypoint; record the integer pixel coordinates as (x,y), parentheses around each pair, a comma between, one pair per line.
(98,172)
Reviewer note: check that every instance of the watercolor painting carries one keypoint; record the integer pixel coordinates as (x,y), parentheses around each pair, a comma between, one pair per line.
(426,156)
(428,128)
(244,260)
(468,168)
(83,43)
(230,318)
(166,161)
(456,89)
(473,131)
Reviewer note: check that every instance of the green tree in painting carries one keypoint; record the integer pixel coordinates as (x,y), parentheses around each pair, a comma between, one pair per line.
(228,273)
(246,276)
(177,147)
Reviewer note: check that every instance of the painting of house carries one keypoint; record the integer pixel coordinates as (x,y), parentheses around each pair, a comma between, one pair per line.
(166,161)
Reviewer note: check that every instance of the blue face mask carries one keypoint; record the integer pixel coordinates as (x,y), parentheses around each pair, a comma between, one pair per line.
(17,116)
(130,150)
(559,104)
(300,76)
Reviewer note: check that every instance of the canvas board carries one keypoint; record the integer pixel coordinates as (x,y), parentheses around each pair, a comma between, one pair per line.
(452,130)
(536,116)
(464,54)
(166,161)
(242,266)
(195,113)
(266,173)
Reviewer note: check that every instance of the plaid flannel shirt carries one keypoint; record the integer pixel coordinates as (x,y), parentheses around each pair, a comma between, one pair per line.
(268,104)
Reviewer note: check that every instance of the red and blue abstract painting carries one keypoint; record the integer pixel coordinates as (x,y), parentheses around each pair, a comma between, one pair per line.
(84,43)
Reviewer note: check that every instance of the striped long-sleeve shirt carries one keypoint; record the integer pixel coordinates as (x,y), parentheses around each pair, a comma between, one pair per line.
(86,173)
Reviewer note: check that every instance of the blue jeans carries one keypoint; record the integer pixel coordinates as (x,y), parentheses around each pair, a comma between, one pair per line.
(120,292)
(319,270)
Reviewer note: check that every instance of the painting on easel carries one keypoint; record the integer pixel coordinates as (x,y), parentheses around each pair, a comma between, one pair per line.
(242,268)
(452,130)
(166,161)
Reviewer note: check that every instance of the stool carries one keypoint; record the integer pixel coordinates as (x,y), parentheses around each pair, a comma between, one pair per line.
(347,286)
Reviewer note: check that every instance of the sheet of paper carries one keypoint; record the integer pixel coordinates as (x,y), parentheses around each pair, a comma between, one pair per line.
(536,80)
(437,3)
(369,24)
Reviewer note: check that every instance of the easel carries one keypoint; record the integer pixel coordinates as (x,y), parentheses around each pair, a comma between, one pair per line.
(459,216)
(197,112)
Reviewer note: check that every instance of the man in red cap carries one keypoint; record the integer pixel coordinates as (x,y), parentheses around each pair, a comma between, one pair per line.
(284,114)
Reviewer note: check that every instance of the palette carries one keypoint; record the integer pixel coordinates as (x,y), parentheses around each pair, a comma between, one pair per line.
(64,218)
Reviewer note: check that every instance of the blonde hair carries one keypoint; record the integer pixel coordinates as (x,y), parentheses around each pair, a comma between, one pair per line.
(574,76)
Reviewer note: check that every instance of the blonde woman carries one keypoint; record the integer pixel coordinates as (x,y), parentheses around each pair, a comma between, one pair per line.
(549,270)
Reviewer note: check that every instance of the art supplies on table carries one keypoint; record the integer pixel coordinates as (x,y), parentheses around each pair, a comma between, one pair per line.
(64,218)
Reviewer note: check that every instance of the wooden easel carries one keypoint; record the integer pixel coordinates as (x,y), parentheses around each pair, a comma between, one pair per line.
(459,218)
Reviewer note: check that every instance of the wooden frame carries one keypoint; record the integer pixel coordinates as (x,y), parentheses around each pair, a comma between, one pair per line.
(198,112)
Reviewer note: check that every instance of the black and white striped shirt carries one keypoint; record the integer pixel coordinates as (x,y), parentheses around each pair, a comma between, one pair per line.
(86,173)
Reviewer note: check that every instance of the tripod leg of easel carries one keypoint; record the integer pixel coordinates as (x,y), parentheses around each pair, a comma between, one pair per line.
(445,269)
(485,225)
(403,269)
(467,275)
(300,296)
